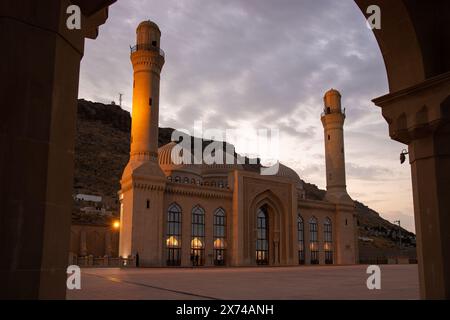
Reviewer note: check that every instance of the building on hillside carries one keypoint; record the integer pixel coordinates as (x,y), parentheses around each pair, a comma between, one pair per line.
(88,198)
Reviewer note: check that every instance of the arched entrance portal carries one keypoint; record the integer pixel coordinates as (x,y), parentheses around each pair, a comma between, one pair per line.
(266,217)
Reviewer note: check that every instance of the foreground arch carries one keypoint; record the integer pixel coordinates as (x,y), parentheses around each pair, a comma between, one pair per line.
(39,79)
(415,43)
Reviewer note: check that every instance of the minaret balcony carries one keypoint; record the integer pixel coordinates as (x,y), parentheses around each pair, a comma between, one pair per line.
(147,47)
(329,111)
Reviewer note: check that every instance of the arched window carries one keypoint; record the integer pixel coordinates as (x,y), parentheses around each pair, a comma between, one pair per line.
(328,241)
(313,240)
(169,178)
(198,236)
(177,179)
(220,236)
(186,180)
(301,239)
(173,237)
(262,237)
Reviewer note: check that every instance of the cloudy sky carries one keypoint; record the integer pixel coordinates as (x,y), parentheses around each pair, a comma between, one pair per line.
(252,64)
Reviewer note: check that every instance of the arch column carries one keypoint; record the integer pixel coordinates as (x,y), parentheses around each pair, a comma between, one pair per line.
(276,246)
(417,110)
(420,117)
(307,238)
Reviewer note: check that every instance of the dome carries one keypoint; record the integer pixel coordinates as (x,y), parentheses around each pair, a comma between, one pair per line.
(288,173)
(166,162)
(165,154)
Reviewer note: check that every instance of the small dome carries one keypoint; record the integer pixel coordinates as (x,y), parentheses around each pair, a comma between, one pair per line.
(286,172)
(332,101)
(332,92)
(147,24)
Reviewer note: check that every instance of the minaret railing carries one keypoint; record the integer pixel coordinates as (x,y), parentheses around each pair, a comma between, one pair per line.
(147,47)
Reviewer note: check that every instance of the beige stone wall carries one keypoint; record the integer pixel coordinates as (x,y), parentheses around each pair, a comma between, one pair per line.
(320,210)
(95,240)
(346,234)
(343,230)
(210,199)
(141,220)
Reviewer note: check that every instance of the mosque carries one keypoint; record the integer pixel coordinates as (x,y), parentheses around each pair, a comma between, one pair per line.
(225,214)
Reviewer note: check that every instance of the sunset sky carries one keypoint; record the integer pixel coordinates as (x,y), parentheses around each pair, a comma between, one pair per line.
(251,64)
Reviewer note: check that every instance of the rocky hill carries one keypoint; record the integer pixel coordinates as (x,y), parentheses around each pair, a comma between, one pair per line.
(101,153)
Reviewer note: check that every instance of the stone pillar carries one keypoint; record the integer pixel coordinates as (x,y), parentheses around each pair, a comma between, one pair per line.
(419,116)
(108,246)
(106,261)
(320,242)
(90,260)
(430,170)
(276,252)
(307,237)
(83,243)
(39,80)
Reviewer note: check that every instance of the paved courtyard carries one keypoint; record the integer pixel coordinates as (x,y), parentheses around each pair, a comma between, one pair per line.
(308,282)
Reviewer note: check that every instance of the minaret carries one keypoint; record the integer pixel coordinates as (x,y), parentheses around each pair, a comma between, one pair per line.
(333,123)
(147,59)
(143,182)
(344,222)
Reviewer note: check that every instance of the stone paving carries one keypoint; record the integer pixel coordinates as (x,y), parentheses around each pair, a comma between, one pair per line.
(303,282)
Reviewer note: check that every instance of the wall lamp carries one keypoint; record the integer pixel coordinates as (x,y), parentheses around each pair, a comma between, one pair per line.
(403,156)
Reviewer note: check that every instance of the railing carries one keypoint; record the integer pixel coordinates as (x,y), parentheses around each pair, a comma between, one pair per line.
(147,47)
(325,112)
(91,261)
(388,260)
